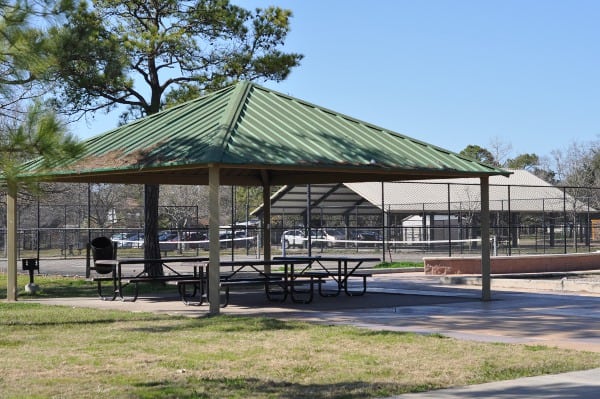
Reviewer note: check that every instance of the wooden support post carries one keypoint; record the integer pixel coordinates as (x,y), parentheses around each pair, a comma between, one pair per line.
(11,250)
(486,294)
(214,254)
(267,218)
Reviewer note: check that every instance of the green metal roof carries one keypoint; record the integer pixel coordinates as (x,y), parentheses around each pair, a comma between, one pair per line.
(248,131)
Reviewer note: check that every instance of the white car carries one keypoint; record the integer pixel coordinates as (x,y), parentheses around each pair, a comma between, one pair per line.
(333,237)
(121,240)
(293,238)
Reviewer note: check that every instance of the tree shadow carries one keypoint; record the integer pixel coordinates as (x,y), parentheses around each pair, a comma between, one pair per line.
(228,324)
(18,314)
(253,387)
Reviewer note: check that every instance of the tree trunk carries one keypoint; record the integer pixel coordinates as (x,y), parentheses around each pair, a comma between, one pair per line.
(151,244)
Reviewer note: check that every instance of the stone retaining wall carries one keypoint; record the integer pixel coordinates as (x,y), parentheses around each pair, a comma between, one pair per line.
(513,264)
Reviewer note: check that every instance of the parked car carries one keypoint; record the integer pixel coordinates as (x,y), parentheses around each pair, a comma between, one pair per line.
(225,240)
(168,240)
(195,237)
(135,240)
(297,238)
(166,235)
(242,240)
(293,238)
(372,237)
(317,238)
(121,240)
(228,239)
(334,237)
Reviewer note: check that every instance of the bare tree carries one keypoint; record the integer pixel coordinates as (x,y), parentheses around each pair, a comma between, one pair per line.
(500,149)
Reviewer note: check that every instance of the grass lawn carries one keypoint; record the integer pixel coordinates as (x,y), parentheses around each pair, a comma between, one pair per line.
(53,351)
(394,265)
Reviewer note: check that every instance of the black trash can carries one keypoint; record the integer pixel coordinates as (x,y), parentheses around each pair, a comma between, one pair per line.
(102,249)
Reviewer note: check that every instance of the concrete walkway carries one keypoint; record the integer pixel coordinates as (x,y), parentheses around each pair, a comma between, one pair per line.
(424,304)
(576,385)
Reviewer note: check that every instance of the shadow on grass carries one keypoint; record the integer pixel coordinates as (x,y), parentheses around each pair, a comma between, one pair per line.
(228,324)
(239,388)
(252,387)
(75,287)
(52,287)
(15,314)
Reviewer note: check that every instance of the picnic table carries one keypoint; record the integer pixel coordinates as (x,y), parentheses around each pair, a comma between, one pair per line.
(345,267)
(295,278)
(119,280)
(193,287)
(278,285)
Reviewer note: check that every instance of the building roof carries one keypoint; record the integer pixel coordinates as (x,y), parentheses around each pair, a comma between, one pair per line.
(527,193)
(255,134)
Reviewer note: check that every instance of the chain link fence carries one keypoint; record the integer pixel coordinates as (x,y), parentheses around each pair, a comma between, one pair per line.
(524,220)
(444,219)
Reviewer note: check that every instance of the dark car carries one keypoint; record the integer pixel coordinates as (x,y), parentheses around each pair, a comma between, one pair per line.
(197,240)
(237,239)
(371,238)
(168,240)
(135,240)
(224,241)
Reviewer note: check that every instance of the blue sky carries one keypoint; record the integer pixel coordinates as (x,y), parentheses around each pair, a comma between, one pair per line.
(450,73)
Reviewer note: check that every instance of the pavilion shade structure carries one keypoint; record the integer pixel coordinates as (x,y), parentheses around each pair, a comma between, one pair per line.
(525,192)
(248,135)
(248,130)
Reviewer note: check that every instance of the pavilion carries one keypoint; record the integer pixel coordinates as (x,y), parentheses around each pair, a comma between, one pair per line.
(528,194)
(519,194)
(249,135)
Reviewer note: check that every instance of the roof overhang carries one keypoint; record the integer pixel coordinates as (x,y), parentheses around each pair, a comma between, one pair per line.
(247,175)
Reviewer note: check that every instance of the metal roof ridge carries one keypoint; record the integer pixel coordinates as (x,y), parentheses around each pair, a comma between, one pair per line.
(230,118)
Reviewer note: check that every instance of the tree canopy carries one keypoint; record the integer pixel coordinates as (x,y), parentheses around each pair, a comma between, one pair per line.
(528,162)
(27,129)
(147,54)
(41,133)
(479,154)
(20,57)
(523,161)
